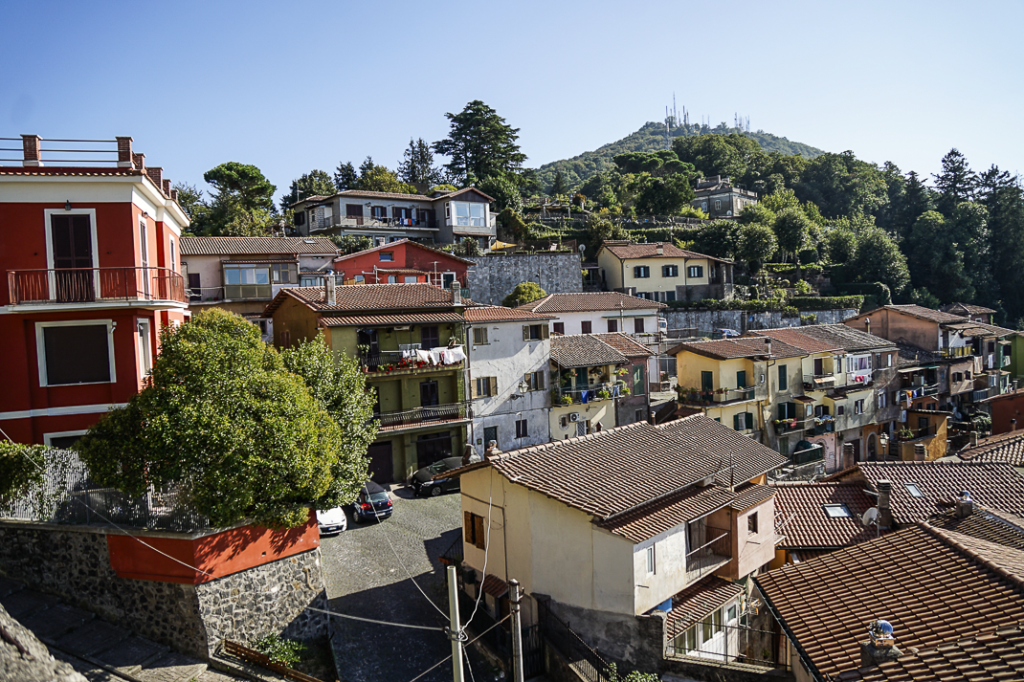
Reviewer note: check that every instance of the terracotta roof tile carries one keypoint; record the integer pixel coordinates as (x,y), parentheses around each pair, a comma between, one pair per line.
(1004,447)
(494,586)
(697,601)
(847,338)
(925,313)
(583,350)
(627,250)
(801,506)
(746,457)
(654,518)
(369,298)
(797,339)
(623,343)
(746,347)
(750,495)
(497,313)
(444,255)
(966,309)
(992,484)
(390,320)
(932,585)
(985,524)
(590,302)
(256,246)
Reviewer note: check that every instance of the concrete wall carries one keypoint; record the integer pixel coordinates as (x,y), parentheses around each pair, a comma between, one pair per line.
(494,277)
(73,562)
(897,326)
(707,320)
(631,642)
(669,577)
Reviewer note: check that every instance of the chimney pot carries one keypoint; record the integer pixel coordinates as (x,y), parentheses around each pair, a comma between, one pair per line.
(124,153)
(880,647)
(167,187)
(456,293)
(32,147)
(885,504)
(974,439)
(174,195)
(919,452)
(139,160)
(329,290)
(661,249)
(848,456)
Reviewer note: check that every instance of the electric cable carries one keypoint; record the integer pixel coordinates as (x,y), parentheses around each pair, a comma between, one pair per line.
(487,547)
(465,655)
(433,628)
(449,656)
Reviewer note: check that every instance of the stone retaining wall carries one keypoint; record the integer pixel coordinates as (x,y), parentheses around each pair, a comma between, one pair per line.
(741,320)
(73,562)
(494,277)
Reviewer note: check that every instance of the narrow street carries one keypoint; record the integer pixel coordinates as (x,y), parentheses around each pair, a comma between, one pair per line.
(365,578)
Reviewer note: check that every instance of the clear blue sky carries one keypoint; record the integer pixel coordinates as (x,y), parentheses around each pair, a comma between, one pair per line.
(292,86)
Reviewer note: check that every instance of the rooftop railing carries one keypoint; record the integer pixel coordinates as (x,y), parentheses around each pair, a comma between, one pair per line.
(396,420)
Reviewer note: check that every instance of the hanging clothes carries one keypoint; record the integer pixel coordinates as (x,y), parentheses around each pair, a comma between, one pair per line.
(584,396)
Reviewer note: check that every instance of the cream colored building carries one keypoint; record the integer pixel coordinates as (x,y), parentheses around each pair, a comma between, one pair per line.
(663,272)
(610,528)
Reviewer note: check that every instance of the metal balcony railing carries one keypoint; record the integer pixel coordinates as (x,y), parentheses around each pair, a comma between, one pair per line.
(91,285)
(579,396)
(714,553)
(392,361)
(369,221)
(420,415)
(820,381)
(720,395)
(957,352)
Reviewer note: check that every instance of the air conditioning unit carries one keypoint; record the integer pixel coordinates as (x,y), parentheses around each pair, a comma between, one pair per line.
(574,416)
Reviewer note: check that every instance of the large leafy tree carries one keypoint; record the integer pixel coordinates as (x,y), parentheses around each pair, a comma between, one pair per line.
(345,177)
(719,238)
(840,184)
(241,185)
(756,244)
(559,186)
(937,261)
(315,182)
(418,164)
(1005,205)
(879,259)
(956,183)
(504,193)
(375,178)
(241,436)
(663,196)
(480,145)
(791,228)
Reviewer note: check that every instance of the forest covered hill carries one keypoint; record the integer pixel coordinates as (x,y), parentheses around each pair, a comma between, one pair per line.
(650,138)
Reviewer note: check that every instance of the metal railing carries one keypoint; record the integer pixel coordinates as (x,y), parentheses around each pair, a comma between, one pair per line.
(590,394)
(821,381)
(419,415)
(730,643)
(718,395)
(586,661)
(369,221)
(90,285)
(957,352)
(710,555)
(392,361)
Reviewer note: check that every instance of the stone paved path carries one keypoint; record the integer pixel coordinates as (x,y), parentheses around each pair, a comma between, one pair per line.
(101,652)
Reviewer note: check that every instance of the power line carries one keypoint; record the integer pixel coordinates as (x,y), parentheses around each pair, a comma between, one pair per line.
(449,657)
(433,628)
(487,548)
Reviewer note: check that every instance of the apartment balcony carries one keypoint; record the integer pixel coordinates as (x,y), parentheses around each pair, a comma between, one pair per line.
(720,395)
(711,555)
(101,286)
(590,394)
(391,363)
(819,382)
(957,352)
(784,426)
(418,417)
(366,222)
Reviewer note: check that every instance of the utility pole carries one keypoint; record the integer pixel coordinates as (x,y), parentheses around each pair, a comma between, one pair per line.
(455,631)
(517,632)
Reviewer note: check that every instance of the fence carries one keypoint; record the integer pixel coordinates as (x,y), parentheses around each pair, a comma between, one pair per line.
(67,495)
(715,641)
(587,662)
(87,285)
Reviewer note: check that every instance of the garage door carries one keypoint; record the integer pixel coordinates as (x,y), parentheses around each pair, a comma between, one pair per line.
(381,464)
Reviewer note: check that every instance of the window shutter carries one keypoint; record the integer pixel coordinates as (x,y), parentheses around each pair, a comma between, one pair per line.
(478,531)
(545,332)
(526,332)
(468,527)
(472,388)
(493,388)
(737,424)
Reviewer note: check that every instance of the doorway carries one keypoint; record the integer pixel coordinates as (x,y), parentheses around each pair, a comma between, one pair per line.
(72,248)
(433,447)
(381,462)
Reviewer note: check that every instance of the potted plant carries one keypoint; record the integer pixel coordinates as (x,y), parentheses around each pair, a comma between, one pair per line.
(566,400)
(625,390)
(604,394)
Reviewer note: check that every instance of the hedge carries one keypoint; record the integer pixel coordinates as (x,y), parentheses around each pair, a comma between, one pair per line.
(826,302)
(778,268)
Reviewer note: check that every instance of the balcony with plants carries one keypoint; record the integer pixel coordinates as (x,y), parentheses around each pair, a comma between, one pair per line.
(720,396)
(582,385)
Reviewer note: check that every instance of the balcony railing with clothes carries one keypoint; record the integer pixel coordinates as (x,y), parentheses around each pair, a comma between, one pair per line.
(592,393)
(908,394)
(393,421)
(714,553)
(819,382)
(414,360)
(95,285)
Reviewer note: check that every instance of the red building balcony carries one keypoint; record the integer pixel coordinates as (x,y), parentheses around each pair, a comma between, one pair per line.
(95,285)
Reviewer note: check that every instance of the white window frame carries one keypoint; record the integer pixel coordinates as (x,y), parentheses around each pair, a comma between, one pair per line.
(145,347)
(48,437)
(91,212)
(482,331)
(41,349)
(651,561)
(174,255)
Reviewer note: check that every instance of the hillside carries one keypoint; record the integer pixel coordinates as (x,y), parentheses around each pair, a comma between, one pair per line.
(651,137)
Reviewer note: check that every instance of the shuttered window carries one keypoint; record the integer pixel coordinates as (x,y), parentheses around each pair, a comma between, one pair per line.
(535,332)
(480,336)
(783,378)
(485,387)
(474,532)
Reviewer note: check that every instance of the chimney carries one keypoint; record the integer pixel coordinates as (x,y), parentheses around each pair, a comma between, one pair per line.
(661,249)
(919,452)
(964,505)
(884,505)
(156,174)
(468,455)
(174,195)
(456,293)
(124,152)
(32,146)
(848,457)
(492,450)
(329,290)
(880,647)
(867,324)
(768,345)
(974,439)
(139,160)
(167,187)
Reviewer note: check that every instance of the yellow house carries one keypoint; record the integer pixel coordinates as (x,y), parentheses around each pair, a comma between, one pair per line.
(664,272)
(621,532)
(587,378)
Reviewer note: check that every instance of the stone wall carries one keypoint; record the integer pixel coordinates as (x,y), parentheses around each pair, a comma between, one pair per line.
(494,277)
(741,320)
(632,642)
(73,562)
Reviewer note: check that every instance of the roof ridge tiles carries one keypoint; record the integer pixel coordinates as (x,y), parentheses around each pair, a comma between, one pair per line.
(946,536)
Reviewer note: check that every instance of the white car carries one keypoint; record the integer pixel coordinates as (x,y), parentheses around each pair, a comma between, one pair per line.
(331,521)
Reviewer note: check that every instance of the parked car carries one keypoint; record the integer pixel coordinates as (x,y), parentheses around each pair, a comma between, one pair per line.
(372,503)
(331,521)
(725,333)
(422,481)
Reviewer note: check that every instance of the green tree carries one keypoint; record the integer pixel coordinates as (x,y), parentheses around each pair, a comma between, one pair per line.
(559,186)
(719,238)
(221,417)
(21,468)
(756,244)
(480,145)
(956,183)
(664,196)
(779,201)
(840,184)
(345,177)
(512,227)
(1005,205)
(791,228)
(599,229)
(380,179)
(315,182)
(916,199)
(444,188)
(467,248)
(504,193)
(841,245)
(525,292)
(937,261)
(195,206)
(756,213)
(418,164)
(879,259)
(350,243)
(241,186)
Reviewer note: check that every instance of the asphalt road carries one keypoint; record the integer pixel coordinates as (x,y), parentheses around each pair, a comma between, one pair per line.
(365,578)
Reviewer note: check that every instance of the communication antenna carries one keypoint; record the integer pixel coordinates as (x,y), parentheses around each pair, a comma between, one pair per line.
(870,518)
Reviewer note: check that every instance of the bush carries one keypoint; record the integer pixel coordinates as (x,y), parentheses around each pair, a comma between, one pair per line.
(826,302)
(803,287)
(283,651)
(790,311)
(756,306)
(809,319)
(525,292)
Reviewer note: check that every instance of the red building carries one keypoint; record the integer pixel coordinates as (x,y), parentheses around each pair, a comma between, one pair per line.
(403,261)
(88,276)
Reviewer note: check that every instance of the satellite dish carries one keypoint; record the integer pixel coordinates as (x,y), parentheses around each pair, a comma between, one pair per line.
(870,516)
(582,247)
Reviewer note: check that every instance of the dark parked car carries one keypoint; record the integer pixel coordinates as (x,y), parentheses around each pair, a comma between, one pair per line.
(423,484)
(373,503)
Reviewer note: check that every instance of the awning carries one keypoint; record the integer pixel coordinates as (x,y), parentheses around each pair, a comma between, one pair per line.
(496,587)
(803,399)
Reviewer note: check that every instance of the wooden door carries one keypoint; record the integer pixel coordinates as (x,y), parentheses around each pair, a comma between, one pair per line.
(72,248)
(382,467)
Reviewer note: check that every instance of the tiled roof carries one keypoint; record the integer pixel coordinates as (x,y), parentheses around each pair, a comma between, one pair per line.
(623,250)
(847,338)
(409,243)
(750,495)
(924,313)
(390,320)
(985,524)
(1004,447)
(369,297)
(932,585)
(583,350)
(747,347)
(966,309)
(623,343)
(801,506)
(590,302)
(986,656)
(797,339)
(991,484)
(494,586)
(613,471)
(497,313)
(70,170)
(653,518)
(697,601)
(227,246)
(353,193)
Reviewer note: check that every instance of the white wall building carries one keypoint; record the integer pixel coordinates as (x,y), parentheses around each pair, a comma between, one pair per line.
(508,384)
